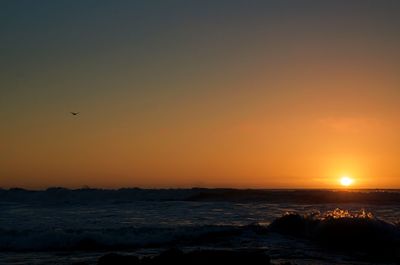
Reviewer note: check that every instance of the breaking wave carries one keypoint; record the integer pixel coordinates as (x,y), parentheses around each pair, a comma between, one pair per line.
(344,230)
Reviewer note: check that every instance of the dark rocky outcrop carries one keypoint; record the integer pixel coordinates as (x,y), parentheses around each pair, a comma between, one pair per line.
(373,238)
(199,257)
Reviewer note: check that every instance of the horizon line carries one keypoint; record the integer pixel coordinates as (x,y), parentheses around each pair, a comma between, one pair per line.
(190,188)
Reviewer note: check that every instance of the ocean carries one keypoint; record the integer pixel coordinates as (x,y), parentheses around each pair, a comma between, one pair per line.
(61,226)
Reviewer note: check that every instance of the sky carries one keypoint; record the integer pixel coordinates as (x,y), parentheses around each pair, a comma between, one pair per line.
(243,94)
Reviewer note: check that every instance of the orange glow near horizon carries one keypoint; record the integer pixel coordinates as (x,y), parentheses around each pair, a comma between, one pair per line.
(254,95)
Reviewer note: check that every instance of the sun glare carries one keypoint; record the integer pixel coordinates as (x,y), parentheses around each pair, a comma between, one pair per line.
(346,181)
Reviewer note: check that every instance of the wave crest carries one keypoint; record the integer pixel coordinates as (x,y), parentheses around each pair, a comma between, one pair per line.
(341,229)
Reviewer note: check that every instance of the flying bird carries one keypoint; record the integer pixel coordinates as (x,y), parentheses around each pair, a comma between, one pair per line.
(74,113)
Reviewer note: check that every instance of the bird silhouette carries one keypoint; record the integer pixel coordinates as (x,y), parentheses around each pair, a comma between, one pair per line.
(74,113)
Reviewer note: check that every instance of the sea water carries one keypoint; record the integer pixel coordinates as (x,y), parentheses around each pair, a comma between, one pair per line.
(62,227)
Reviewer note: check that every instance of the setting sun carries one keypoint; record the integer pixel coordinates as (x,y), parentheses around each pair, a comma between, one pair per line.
(346,181)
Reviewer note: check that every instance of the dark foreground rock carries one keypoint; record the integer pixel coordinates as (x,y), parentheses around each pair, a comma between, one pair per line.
(199,257)
(371,238)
